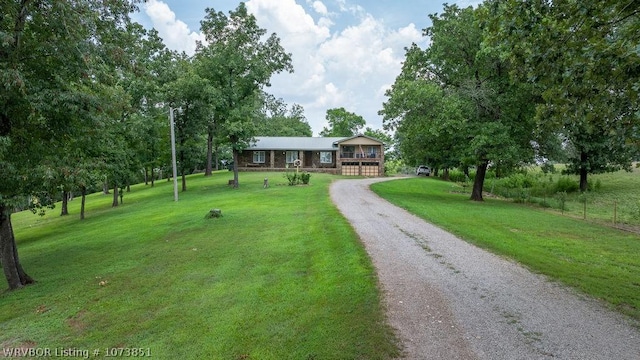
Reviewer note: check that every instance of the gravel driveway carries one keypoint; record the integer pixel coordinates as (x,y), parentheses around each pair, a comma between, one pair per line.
(448,299)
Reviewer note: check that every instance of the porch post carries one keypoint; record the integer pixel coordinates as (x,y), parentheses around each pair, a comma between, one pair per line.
(338,161)
(272,159)
(381,163)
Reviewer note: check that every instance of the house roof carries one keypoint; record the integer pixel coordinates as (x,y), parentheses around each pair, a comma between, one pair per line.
(355,137)
(300,142)
(295,143)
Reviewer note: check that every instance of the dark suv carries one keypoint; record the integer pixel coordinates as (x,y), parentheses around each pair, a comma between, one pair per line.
(423,170)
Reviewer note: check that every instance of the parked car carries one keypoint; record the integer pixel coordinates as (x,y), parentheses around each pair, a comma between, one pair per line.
(423,170)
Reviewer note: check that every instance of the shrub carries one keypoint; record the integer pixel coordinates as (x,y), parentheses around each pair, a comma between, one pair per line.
(295,178)
(548,168)
(292,177)
(566,184)
(305,176)
(459,176)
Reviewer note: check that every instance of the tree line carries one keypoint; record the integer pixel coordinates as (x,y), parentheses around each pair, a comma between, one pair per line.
(86,93)
(514,82)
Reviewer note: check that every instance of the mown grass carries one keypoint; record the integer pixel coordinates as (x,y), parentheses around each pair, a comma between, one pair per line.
(598,260)
(280,276)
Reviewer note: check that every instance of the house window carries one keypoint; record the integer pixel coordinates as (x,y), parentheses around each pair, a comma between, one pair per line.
(348,151)
(258,157)
(292,156)
(326,157)
(372,151)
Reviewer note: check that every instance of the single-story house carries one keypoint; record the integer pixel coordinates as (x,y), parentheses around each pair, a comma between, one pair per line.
(356,155)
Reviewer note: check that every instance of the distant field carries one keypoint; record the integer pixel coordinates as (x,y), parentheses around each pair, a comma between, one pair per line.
(598,260)
(280,276)
(613,198)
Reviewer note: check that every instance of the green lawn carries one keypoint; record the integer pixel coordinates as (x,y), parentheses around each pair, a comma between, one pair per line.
(598,260)
(280,276)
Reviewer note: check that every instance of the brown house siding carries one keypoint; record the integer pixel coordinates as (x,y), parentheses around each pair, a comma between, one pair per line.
(360,155)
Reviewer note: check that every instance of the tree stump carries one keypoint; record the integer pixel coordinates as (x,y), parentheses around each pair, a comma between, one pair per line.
(214,213)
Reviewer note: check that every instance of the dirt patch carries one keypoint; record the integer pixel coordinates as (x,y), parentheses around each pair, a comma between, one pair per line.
(78,322)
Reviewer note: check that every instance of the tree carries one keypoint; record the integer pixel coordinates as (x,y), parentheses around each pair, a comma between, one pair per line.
(470,104)
(342,123)
(275,119)
(238,61)
(426,118)
(583,56)
(192,95)
(62,38)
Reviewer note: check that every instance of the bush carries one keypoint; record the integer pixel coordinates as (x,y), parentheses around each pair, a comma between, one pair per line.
(305,176)
(292,177)
(459,176)
(295,178)
(567,185)
(548,168)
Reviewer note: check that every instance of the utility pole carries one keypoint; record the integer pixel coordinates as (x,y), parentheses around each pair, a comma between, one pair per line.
(173,155)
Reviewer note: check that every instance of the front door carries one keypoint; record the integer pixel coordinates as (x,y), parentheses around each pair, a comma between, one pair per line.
(308,159)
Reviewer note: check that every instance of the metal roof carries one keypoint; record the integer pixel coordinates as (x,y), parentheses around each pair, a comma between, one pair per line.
(295,143)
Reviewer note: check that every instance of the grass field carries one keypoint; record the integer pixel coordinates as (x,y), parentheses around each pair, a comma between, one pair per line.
(613,198)
(598,260)
(280,276)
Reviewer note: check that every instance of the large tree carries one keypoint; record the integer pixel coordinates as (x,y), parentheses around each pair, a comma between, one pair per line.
(277,119)
(191,96)
(584,58)
(238,60)
(52,55)
(474,86)
(342,123)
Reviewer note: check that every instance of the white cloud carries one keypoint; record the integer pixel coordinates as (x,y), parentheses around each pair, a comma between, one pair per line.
(349,67)
(320,8)
(175,33)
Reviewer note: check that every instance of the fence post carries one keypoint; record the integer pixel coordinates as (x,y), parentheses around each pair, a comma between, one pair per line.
(615,211)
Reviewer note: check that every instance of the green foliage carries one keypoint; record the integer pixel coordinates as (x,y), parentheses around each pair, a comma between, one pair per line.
(268,293)
(548,168)
(296,178)
(459,176)
(454,103)
(562,199)
(277,120)
(566,185)
(305,176)
(583,58)
(342,123)
(238,61)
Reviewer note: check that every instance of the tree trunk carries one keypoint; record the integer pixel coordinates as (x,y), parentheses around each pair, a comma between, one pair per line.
(83,190)
(13,272)
(65,203)
(478,183)
(146,175)
(584,185)
(209,170)
(446,174)
(235,169)
(105,187)
(216,150)
(115,196)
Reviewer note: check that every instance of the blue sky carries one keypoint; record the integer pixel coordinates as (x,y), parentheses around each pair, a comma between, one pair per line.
(345,53)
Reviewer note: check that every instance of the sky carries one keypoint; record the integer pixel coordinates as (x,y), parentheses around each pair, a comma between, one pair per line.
(345,53)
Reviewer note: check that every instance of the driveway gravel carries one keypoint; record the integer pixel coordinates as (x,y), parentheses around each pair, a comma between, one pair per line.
(448,299)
